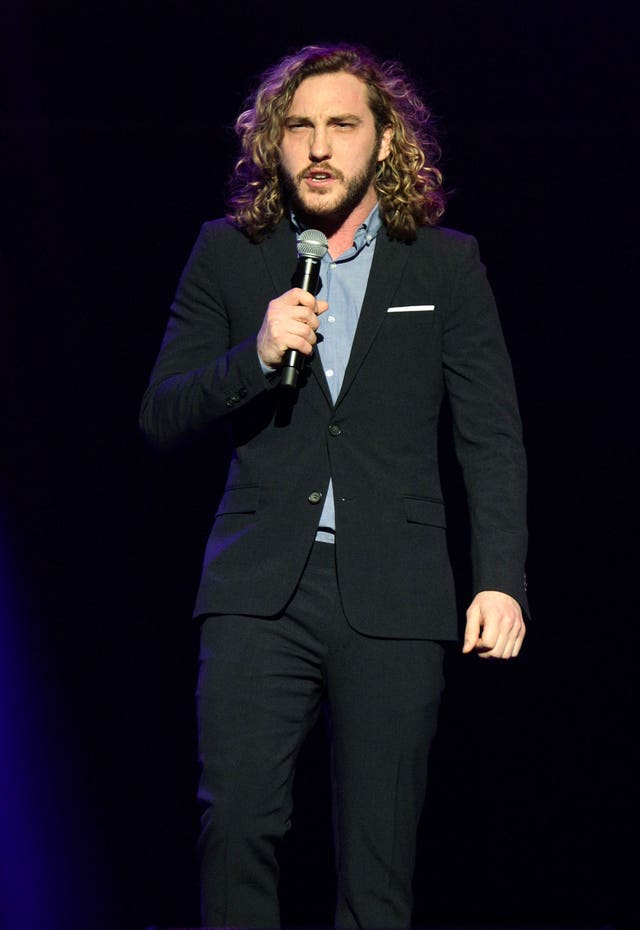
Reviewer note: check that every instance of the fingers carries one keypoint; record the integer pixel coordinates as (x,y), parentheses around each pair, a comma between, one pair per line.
(290,322)
(495,626)
(506,646)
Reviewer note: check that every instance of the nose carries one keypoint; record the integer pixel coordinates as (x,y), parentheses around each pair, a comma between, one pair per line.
(319,149)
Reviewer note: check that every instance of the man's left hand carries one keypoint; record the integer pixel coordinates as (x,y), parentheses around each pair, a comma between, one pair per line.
(495,627)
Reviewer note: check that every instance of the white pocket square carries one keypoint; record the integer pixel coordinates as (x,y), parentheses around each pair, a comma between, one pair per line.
(422,308)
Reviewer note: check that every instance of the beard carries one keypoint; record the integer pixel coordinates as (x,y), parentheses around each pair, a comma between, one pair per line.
(333,209)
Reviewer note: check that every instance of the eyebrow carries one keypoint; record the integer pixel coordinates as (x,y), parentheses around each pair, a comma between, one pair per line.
(339,118)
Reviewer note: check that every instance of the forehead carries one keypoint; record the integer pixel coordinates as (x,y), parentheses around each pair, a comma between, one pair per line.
(336,93)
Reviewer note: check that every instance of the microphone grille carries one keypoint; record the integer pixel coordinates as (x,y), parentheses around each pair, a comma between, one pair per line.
(312,243)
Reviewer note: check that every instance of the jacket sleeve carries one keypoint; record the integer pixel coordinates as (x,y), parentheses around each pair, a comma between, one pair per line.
(487,430)
(202,372)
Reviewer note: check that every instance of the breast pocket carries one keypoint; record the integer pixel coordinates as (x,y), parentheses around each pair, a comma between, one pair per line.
(243,499)
(426,311)
(411,319)
(425,510)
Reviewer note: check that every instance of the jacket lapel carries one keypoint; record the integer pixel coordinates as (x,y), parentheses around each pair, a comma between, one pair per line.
(389,260)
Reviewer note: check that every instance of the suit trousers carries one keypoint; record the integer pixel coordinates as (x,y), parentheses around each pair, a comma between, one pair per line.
(261,686)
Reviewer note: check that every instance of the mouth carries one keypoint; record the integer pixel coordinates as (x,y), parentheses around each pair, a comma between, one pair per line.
(318,177)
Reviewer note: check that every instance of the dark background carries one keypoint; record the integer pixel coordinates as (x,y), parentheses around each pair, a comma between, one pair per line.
(116,143)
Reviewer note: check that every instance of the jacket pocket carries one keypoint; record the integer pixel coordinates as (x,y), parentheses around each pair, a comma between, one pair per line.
(425,510)
(239,500)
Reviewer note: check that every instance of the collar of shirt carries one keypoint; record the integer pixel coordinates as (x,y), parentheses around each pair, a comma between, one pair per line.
(364,235)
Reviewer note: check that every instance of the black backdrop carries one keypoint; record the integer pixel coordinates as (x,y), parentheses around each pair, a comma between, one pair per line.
(116,143)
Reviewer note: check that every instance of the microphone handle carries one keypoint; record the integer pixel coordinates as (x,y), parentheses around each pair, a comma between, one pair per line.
(291,367)
(307,274)
(306,277)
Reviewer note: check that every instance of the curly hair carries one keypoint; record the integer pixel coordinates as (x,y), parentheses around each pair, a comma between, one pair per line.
(409,186)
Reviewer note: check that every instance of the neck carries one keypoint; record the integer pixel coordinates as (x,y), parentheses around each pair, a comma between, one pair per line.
(342,240)
(339,230)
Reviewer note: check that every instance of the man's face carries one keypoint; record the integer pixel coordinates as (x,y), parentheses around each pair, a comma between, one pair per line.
(330,148)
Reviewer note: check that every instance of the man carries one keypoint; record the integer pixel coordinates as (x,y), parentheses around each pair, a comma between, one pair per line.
(326,577)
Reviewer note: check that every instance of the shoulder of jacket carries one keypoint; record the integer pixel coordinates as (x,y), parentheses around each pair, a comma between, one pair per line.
(444,237)
(223,233)
(221,227)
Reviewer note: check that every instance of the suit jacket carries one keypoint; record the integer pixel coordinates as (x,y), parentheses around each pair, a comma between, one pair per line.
(428,325)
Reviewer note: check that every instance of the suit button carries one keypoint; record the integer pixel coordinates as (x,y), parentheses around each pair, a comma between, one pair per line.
(315,497)
(335,430)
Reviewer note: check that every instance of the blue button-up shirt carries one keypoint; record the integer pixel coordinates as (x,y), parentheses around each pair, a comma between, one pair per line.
(343,281)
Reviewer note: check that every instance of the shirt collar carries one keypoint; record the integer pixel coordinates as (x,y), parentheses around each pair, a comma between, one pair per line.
(364,234)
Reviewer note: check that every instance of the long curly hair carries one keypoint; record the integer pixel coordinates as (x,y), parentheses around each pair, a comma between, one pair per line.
(408,183)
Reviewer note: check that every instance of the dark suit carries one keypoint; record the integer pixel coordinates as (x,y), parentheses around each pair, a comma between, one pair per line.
(378,442)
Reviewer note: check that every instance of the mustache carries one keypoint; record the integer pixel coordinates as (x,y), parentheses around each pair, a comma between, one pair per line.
(320,169)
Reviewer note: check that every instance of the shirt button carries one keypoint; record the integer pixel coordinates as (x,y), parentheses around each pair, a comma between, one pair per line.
(331,319)
(335,430)
(315,497)
(329,372)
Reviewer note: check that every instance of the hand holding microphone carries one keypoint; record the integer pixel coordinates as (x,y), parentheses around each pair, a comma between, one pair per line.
(287,335)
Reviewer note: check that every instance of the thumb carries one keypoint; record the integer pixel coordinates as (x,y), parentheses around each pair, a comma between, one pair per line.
(472,629)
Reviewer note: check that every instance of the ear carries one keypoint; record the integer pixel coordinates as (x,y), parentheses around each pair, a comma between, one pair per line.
(385,143)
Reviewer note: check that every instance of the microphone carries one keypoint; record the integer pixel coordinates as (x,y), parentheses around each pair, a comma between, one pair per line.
(312,245)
